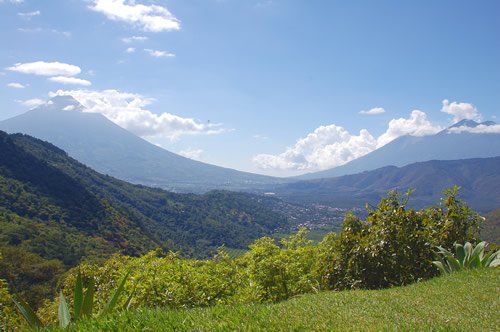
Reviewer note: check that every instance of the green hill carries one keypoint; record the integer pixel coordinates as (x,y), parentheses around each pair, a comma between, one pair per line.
(56,207)
(465,301)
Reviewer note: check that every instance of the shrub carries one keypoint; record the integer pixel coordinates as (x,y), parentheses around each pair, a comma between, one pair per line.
(276,273)
(9,317)
(395,244)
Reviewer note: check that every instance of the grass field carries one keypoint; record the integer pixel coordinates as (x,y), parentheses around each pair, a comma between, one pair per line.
(466,301)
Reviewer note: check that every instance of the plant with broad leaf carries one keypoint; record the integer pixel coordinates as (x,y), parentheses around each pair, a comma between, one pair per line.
(83,303)
(466,257)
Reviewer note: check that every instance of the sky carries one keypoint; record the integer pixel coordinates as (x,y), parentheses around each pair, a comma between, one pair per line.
(276,87)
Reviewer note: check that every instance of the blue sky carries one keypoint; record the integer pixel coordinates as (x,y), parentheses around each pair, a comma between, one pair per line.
(269,86)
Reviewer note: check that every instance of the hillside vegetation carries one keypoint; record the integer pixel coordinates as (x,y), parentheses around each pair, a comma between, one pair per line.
(479,180)
(55,212)
(47,197)
(466,301)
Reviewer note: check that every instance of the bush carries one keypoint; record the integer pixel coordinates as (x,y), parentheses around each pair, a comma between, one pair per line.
(276,273)
(9,317)
(395,245)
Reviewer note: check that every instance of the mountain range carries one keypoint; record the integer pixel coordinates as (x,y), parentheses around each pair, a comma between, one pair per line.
(109,149)
(446,145)
(97,142)
(478,178)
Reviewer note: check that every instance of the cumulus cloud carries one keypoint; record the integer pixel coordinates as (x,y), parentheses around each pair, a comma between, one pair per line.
(460,111)
(16,85)
(130,50)
(331,146)
(129,111)
(194,154)
(328,146)
(70,80)
(373,111)
(46,68)
(416,125)
(132,39)
(31,103)
(151,18)
(159,54)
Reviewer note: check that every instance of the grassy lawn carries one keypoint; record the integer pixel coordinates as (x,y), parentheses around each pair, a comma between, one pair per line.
(467,301)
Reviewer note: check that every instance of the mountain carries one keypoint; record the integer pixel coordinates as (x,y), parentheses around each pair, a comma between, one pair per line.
(479,179)
(58,208)
(405,150)
(99,143)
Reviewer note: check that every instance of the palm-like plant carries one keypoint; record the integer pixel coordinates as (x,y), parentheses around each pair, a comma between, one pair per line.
(82,304)
(466,257)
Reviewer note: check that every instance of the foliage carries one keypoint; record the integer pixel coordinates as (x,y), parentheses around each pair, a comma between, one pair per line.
(395,244)
(466,257)
(46,195)
(276,273)
(29,275)
(9,318)
(393,247)
(490,230)
(423,306)
(82,305)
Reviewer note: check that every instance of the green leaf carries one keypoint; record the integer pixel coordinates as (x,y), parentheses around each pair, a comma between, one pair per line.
(28,313)
(495,263)
(488,260)
(116,295)
(442,267)
(88,300)
(64,316)
(453,262)
(477,255)
(468,253)
(460,253)
(78,297)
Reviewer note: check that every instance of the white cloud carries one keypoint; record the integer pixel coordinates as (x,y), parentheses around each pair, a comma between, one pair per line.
(481,129)
(31,103)
(151,18)
(460,111)
(64,33)
(29,15)
(128,110)
(373,111)
(16,85)
(132,39)
(16,2)
(416,125)
(70,80)
(326,147)
(159,54)
(34,30)
(130,50)
(69,108)
(194,154)
(331,146)
(46,68)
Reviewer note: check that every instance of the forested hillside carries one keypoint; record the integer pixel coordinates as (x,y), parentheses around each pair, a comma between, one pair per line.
(56,207)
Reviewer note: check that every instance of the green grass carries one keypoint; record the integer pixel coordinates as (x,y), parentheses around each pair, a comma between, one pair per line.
(465,301)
